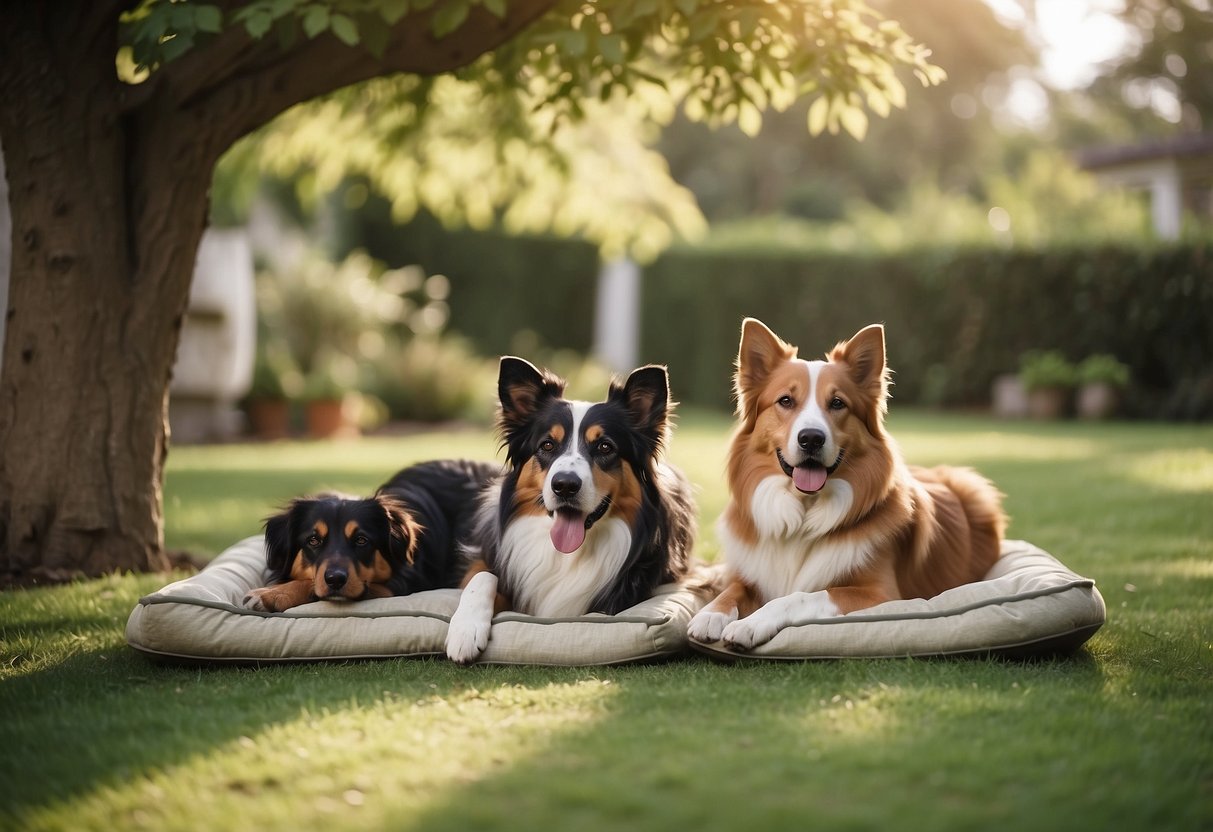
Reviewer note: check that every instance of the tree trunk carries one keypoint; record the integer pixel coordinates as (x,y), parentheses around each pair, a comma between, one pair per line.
(108,189)
(102,258)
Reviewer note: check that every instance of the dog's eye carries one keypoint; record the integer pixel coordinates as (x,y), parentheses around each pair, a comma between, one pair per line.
(785,401)
(837,404)
(604,448)
(361,540)
(547,446)
(313,540)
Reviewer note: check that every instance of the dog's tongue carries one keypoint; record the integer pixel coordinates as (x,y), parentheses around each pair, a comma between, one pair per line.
(809,479)
(568,531)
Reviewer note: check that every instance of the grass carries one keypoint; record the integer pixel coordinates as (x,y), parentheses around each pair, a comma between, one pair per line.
(1119,735)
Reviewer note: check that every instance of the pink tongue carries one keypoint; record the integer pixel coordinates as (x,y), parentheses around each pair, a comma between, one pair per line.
(568,531)
(809,480)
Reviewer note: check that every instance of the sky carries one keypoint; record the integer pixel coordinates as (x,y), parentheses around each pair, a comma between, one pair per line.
(1074,36)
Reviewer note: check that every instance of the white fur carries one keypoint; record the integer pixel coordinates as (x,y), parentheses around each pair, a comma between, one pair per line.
(709,625)
(551,584)
(811,416)
(468,633)
(760,626)
(575,462)
(791,554)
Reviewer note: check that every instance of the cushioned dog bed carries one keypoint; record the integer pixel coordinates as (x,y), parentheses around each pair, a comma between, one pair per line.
(1028,604)
(202,618)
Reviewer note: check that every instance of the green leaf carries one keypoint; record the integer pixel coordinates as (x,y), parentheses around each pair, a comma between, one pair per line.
(208,19)
(496,7)
(316,20)
(375,35)
(393,10)
(449,17)
(687,7)
(176,46)
(854,121)
(818,113)
(344,29)
(258,24)
(611,48)
(572,43)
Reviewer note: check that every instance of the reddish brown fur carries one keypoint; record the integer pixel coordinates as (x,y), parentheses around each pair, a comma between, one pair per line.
(933,529)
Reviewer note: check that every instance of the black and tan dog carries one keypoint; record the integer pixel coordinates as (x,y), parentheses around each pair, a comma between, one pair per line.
(587,516)
(402,539)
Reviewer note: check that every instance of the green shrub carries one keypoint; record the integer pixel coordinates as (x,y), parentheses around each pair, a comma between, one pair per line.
(434,380)
(954,319)
(1102,369)
(1045,368)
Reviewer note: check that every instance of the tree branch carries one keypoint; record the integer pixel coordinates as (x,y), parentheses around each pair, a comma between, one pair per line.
(238,84)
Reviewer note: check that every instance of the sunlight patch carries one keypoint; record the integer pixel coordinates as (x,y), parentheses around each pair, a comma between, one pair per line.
(1186,471)
(357,764)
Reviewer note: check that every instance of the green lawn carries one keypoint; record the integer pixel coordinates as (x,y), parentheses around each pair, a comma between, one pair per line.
(1119,736)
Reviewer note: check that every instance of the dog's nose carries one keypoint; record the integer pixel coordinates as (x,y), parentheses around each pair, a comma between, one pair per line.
(811,439)
(566,484)
(336,577)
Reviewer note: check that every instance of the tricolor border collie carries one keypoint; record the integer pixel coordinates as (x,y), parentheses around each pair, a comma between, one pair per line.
(586,517)
(825,517)
(402,539)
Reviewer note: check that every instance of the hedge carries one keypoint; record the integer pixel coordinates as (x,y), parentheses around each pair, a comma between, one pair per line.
(954,320)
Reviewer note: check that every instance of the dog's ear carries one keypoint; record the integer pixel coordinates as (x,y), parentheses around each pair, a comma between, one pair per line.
(864,357)
(646,397)
(279,534)
(523,388)
(403,530)
(759,353)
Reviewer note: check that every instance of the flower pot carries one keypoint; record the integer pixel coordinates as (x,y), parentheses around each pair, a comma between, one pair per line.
(1098,400)
(1048,402)
(325,418)
(269,419)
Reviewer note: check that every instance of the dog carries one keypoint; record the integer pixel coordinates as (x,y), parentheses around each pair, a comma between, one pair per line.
(586,517)
(402,539)
(825,517)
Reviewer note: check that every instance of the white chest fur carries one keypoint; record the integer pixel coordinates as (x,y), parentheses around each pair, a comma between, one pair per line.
(551,584)
(793,552)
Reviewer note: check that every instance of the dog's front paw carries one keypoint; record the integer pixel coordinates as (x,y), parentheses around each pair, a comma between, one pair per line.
(261,600)
(747,633)
(466,639)
(708,625)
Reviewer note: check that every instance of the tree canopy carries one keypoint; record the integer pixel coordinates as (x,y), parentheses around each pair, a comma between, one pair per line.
(552,132)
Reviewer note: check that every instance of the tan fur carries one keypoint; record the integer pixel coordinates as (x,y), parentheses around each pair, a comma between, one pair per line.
(930,529)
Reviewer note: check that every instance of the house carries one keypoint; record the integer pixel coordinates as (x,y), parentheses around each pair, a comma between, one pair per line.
(1177,171)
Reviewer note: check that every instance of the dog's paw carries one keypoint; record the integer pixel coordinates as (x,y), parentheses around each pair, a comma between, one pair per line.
(261,600)
(747,633)
(708,625)
(466,640)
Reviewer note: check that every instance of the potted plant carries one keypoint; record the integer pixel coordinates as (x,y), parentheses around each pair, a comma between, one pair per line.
(324,394)
(1101,381)
(1048,378)
(268,401)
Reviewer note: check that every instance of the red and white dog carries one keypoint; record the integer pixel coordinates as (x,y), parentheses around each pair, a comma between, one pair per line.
(825,517)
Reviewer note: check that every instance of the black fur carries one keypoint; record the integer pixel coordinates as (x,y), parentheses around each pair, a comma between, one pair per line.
(634,416)
(415,520)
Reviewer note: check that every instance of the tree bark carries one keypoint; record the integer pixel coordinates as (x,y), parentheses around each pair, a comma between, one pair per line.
(108,191)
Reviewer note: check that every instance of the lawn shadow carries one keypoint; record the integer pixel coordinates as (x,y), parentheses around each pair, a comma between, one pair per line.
(850,744)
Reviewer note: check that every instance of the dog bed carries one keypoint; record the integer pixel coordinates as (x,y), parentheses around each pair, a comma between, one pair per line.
(202,618)
(1028,604)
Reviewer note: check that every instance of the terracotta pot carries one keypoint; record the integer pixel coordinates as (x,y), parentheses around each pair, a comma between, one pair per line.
(325,418)
(1098,400)
(269,419)
(1048,402)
